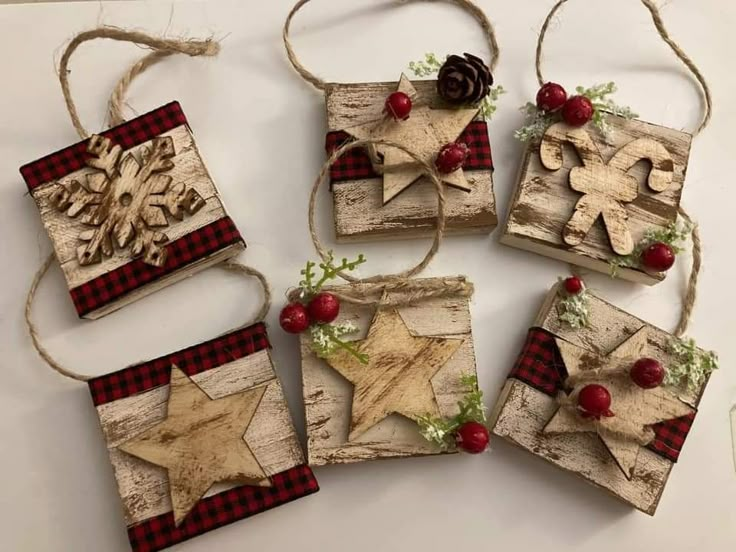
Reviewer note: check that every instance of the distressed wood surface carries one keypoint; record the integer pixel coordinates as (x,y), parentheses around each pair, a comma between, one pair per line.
(544,201)
(64,231)
(359,210)
(144,487)
(328,396)
(522,412)
(200,442)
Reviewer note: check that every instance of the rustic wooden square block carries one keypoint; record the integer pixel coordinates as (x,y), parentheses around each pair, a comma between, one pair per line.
(328,395)
(528,401)
(544,201)
(131,211)
(131,401)
(359,212)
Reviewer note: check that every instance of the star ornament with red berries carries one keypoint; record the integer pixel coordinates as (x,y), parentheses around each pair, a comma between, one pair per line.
(617,396)
(410,122)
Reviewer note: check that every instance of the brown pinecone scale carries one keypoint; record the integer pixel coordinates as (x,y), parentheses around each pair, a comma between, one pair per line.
(464,80)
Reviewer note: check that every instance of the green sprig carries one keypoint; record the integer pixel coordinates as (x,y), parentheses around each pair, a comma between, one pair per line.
(329,272)
(430,65)
(575,309)
(674,235)
(326,339)
(692,365)
(441,431)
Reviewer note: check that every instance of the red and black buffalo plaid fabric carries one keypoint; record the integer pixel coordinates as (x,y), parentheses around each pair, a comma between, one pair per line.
(355,164)
(540,365)
(194,246)
(221,509)
(198,358)
(129,134)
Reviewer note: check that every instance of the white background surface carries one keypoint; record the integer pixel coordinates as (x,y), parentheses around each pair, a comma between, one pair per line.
(261,132)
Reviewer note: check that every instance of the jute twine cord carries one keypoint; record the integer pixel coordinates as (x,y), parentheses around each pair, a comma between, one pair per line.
(369,288)
(162,47)
(320,84)
(56,366)
(690,293)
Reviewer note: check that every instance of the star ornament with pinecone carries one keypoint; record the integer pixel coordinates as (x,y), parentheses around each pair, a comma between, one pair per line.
(617,396)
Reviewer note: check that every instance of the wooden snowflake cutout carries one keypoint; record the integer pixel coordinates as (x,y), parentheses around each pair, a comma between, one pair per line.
(126,201)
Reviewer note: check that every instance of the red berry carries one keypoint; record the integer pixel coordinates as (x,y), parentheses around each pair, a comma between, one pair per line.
(324,307)
(398,105)
(573,285)
(577,111)
(658,256)
(647,373)
(451,157)
(294,318)
(472,437)
(551,97)
(595,401)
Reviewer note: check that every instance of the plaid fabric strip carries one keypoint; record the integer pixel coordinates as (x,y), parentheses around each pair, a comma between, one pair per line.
(190,248)
(356,164)
(129,134)
(221,509)
(195,359)
(670,436)
(540,366)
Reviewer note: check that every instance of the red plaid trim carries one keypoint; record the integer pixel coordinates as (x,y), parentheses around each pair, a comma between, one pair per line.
(134,132)
(540,365)
(670,436)
(355,164)
(195,359)
(221,509)
(196,245)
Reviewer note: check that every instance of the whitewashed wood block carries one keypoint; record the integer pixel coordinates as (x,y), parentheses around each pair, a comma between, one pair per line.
(328,396)
(133,400)
(131,211)
(574,178)
(528,401)
(359,211)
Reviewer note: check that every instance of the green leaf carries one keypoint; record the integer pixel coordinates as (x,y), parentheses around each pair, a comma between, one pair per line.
(692,365)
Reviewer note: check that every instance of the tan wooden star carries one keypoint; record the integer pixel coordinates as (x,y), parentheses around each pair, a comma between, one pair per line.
(635,409)
(201,442)
(424,133)
(397,378)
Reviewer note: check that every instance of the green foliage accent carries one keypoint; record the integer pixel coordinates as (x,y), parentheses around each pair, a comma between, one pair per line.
(327,338)
(471,409)
(575,309)
(426,67)
(693,365)
(538,121)
(674,235)
(431,65)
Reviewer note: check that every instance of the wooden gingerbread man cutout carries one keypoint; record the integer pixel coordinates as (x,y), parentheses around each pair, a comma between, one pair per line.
(605,186)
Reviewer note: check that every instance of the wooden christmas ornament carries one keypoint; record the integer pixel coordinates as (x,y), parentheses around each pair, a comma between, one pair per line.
(383,358)
(631,446)
(380,193)
(596,186)
(132,209)
(198,438)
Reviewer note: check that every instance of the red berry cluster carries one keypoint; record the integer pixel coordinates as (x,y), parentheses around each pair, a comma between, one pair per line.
(398,106)
(573,285)
(594,401)
(296,317)
(658,257)
(472,437)
(576,110)
(451,157)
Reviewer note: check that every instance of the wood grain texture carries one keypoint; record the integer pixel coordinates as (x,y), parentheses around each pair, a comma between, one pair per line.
(359,212)
(143,487)
(328,396)
(64,231)
(521,412)
(544,201)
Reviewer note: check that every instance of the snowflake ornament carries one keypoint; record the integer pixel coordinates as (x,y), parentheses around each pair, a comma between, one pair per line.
(126,201)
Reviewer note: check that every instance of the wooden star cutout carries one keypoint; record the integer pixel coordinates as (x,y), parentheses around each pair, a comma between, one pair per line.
(424,133)
(201,442)
(397,378)
(635,409)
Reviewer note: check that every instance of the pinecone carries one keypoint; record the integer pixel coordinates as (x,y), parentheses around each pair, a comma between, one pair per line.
(464,80)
